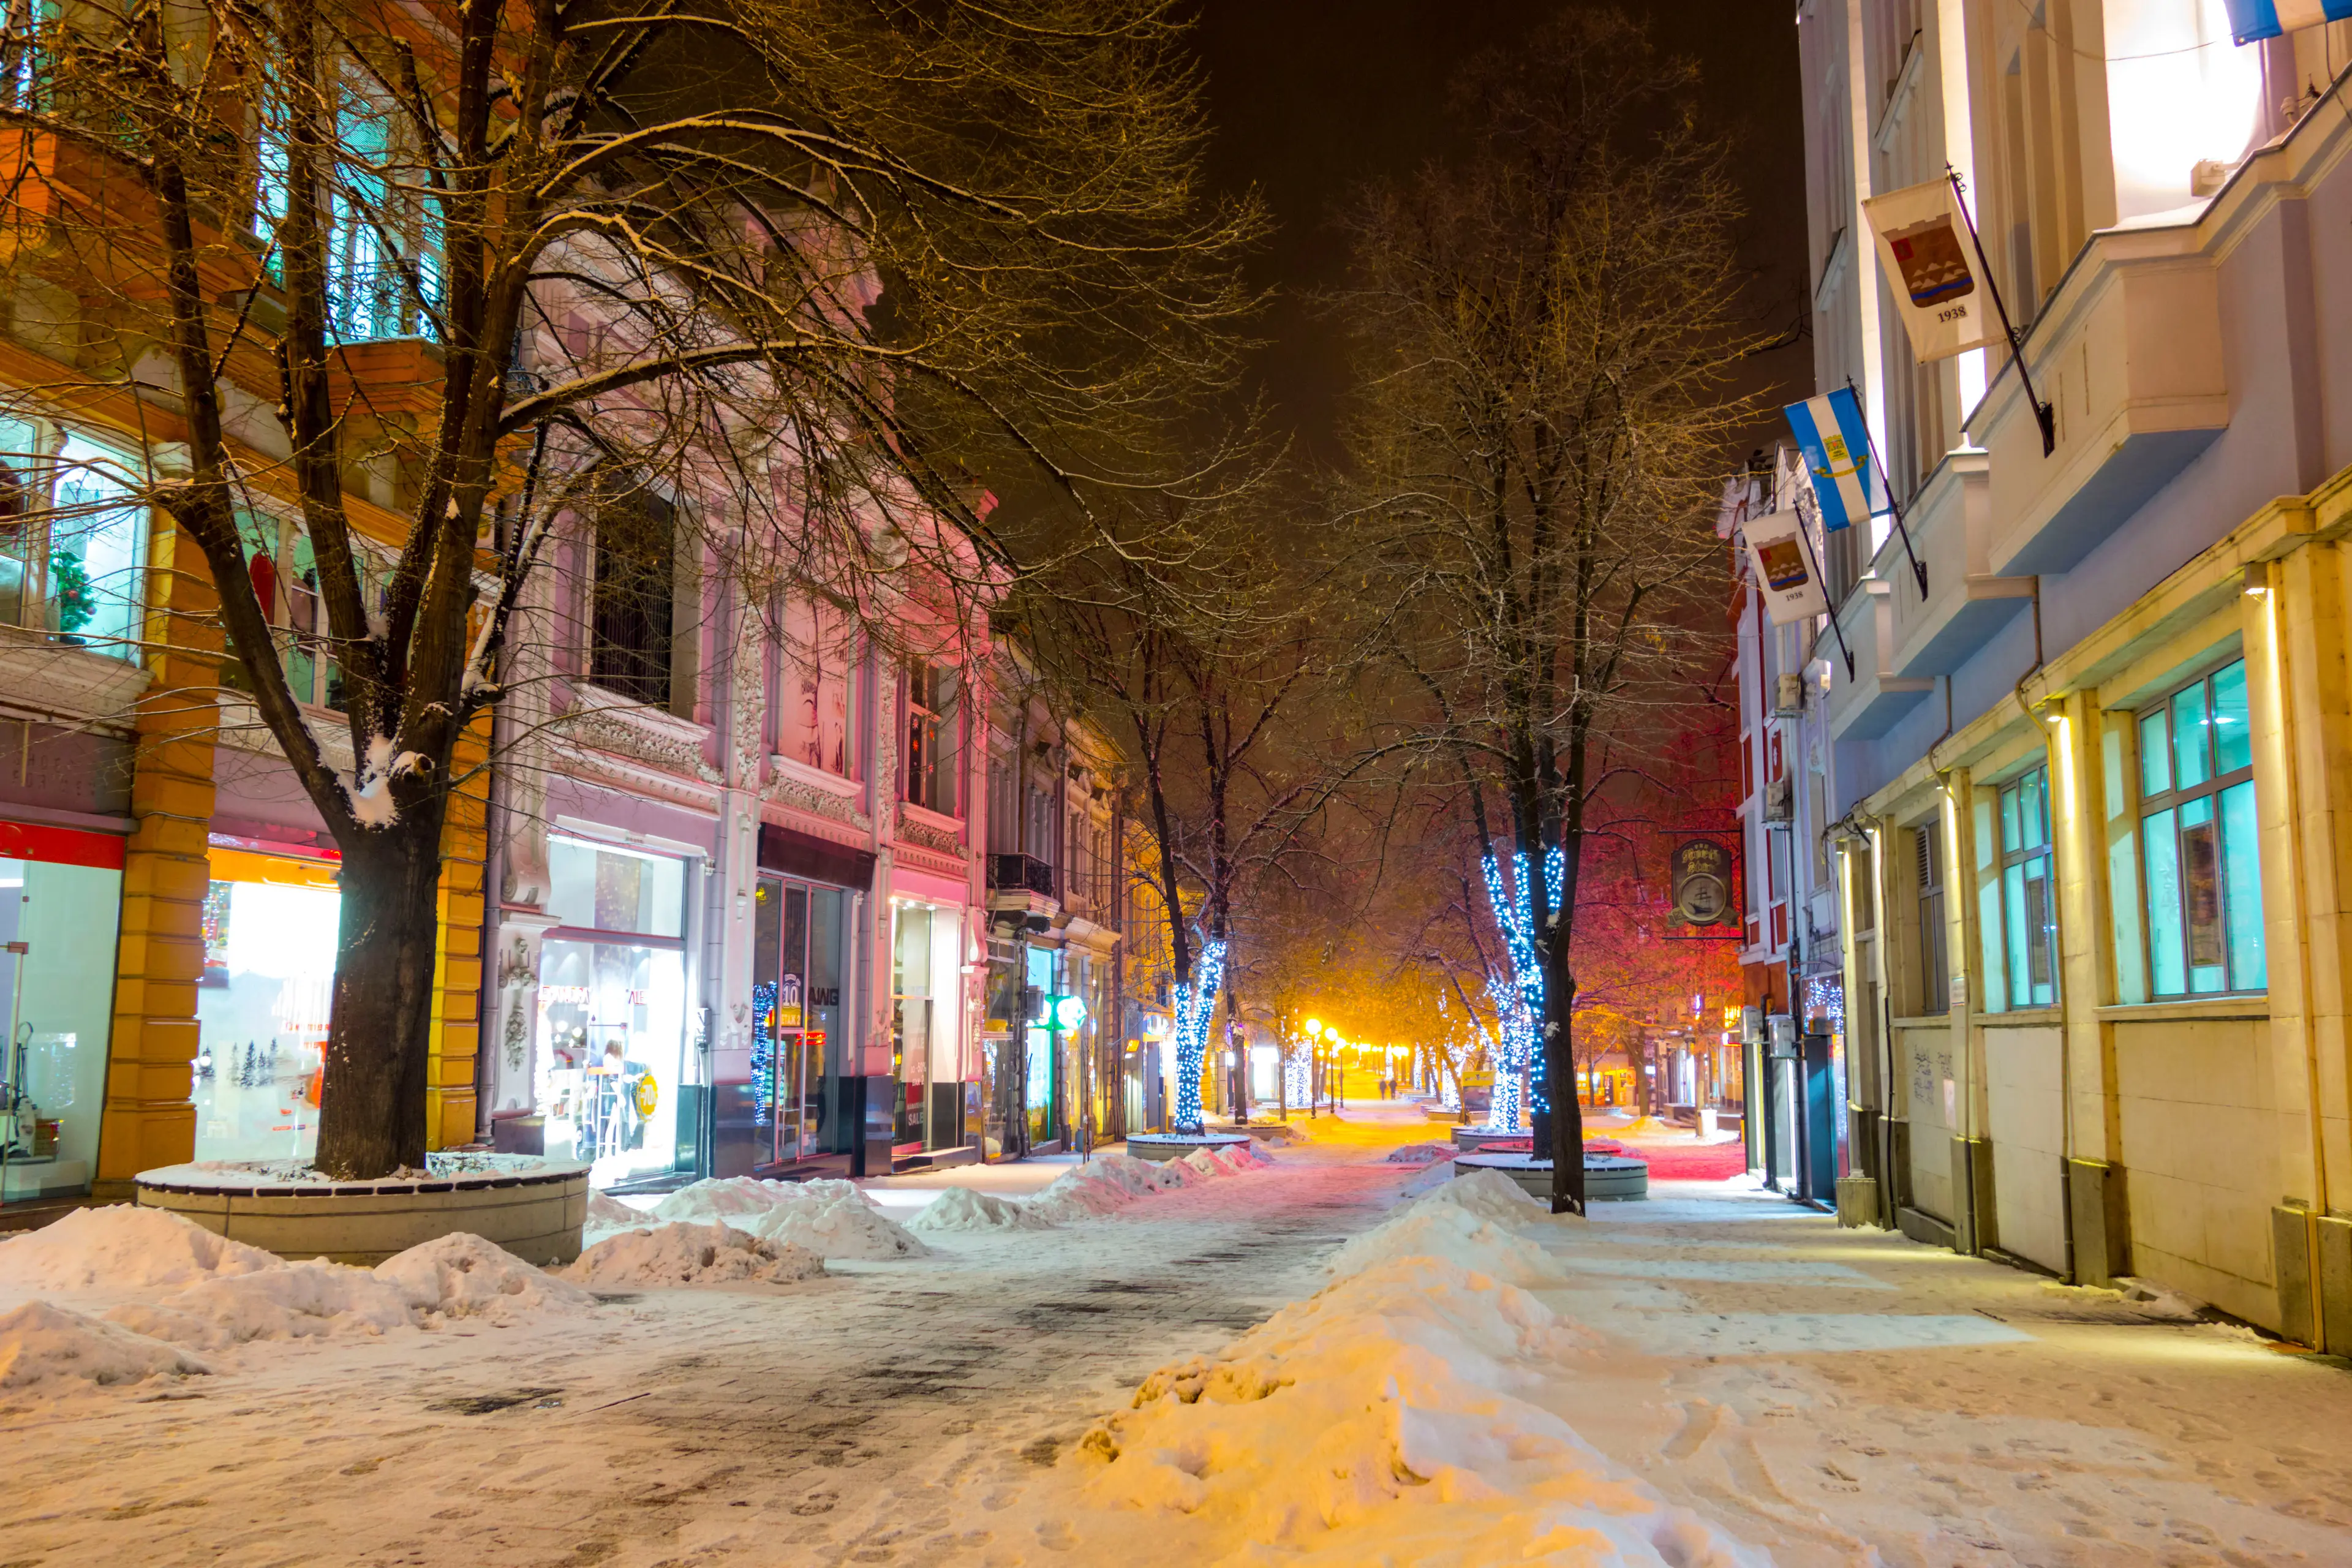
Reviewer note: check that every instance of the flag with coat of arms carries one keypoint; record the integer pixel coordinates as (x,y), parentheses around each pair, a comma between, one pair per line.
(2251,21)
(1836,447)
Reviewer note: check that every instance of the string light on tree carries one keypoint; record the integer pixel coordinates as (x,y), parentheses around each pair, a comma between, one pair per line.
(1515,916)
(1195,1004)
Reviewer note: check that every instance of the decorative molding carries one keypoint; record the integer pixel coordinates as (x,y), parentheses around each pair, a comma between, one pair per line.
(930,830)
(798,786)
(605,722)
(241,726)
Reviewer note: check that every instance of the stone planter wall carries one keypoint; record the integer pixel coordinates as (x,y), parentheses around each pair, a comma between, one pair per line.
(536,1216)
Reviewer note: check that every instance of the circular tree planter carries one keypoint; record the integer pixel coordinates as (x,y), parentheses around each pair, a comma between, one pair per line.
(1471,1140)
(1606,1176)
(1176,1145)
(532,1207)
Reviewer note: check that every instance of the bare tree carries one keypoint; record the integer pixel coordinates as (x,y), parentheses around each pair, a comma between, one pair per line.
(1547,328)
(786,257)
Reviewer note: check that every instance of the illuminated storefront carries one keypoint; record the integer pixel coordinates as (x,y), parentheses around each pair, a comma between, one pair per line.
(270,923)
(60,890)
(611,1066)
(926,1027)
(800,1106)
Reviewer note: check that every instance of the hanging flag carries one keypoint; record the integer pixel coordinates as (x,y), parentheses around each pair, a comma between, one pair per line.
(1836,447)
(1923,243)
(2251,21)
(1783,564)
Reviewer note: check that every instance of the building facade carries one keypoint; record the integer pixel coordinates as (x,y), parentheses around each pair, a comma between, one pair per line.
(2080,793)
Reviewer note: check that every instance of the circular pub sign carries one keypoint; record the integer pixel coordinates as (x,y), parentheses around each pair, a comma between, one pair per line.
(1703,883)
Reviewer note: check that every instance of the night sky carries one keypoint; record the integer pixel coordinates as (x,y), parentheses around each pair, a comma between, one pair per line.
(1311,97)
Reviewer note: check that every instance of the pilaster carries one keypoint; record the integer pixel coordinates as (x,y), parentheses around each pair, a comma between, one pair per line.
(148,1119)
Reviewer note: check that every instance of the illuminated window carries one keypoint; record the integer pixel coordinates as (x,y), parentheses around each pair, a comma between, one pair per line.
(2198,839)
(2019,904)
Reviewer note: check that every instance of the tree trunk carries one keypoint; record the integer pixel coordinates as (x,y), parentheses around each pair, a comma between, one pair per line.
(1559,1048)
(372,1120)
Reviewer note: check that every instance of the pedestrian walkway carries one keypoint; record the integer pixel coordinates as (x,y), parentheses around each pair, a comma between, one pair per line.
(1850,1396)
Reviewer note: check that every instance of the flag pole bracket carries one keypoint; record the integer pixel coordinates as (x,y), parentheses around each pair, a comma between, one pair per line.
(2044,415)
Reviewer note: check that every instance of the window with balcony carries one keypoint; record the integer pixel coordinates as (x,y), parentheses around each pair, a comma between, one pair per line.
(2017,903)
(73,540)
(384,246)
(2198,840)
(934,738)
(284,570)
(631,643)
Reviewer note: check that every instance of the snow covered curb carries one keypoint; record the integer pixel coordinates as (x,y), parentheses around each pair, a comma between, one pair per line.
(1381,1419)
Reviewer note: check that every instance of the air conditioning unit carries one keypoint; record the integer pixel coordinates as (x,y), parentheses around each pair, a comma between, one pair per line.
(1779,801)
(1787,695)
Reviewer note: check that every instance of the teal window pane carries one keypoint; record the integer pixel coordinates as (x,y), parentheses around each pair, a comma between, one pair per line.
(2233,735)
(2154,754)
(2124,903)
(1989,926)
(2191,759)
(2168,975)
(2034,809)
(2041,933)
(2009,819)
(2012,901)
(2200,896)
(2242,889)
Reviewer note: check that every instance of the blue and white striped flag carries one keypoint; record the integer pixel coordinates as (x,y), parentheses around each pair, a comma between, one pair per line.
(1836,444)
(2250,21)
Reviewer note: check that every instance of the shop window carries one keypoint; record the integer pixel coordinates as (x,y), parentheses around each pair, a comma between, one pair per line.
(1934,970)
(270,927)
(2198,839)
(606,887)
(631,646)
(612,1072)
(60,891)
(2020,909)
(934,749)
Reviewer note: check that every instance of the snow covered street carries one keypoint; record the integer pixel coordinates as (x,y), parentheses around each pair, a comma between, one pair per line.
(1709,1377)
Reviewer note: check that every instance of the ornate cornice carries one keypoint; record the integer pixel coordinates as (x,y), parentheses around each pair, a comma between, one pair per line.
(835,800)
(603,722)
(918,828)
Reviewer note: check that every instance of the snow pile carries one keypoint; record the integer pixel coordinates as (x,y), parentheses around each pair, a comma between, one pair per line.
(42,1343)
(1420,1154)
(684,1253)
(1207,1162)
(463,1276)
(1429,1230)
(1378,1422)
(1489,1195)
(724,1197)
(960,1209)
(1104,1185)
(124,1248)
(289,1301)
(607,1214)
(836,1224)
